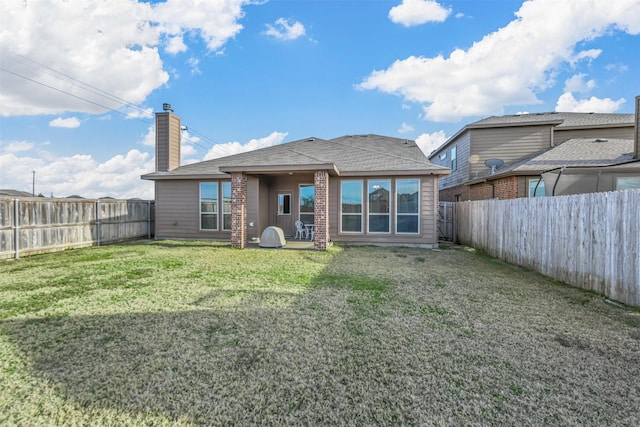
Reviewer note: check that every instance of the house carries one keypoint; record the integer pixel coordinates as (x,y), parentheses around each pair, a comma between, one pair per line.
(509,142)
(359,189)
(579,165)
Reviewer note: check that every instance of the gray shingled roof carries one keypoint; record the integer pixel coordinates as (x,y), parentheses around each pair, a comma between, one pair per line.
(350,155)
(568,120)
(579,152)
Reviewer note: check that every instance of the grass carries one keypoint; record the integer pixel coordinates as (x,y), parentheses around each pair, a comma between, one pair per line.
(195,333)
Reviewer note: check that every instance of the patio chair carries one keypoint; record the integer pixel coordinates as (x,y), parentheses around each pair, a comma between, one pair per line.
(301,232)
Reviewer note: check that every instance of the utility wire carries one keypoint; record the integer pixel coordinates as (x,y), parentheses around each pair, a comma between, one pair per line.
(92,89)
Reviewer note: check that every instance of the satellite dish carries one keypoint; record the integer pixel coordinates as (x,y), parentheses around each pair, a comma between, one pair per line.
(494,164)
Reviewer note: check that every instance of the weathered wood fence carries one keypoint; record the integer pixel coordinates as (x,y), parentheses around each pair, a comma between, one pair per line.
(590,241)
(447,221)
(37,225)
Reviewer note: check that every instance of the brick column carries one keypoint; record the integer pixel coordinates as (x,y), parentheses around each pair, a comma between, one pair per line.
(321,210)
(238,210)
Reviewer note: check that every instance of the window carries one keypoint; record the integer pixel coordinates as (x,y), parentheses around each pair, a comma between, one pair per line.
(443,155)
(226,205)
(454,158)
(379,216)
(284,204)
(351,206)
(536,192)
(408,206)
(209,205)
(307,199)
(627,182)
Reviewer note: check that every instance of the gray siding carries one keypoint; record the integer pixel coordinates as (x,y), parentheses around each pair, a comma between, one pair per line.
(428,235)
(461,174)
(178,211)
(561,136)
(508,144)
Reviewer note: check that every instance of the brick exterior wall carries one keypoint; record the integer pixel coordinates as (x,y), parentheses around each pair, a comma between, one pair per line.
(321,210)
(449,194)
(503,188)
(481,191)
(506,188)
(238,210)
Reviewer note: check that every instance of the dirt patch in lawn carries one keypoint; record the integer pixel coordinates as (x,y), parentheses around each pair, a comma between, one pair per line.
(193,334)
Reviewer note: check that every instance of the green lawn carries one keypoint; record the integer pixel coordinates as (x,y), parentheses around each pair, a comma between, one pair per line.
(194,333)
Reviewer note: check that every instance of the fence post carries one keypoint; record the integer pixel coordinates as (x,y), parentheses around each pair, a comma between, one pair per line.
(149,219)
(16,229)
(97,222)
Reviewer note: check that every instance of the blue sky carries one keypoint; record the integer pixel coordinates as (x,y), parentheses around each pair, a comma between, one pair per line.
(80,79)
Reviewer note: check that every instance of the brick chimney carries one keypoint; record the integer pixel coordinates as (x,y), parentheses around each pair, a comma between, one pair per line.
(636,134)
(167,140)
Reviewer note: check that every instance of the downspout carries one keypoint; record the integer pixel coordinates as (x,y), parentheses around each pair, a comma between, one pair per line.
(553,192)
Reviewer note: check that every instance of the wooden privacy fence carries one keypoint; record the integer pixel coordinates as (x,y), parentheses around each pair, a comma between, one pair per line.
(447,221)
(37,225)
(590,241)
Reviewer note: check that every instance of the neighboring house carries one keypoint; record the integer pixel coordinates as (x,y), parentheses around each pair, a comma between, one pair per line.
(515,139)
(581,165)
(361,189)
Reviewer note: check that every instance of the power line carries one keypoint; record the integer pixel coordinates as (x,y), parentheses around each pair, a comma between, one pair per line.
(91,89)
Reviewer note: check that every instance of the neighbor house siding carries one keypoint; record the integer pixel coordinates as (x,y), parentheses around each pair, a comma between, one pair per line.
(561,136)
(461,174)
(508,144)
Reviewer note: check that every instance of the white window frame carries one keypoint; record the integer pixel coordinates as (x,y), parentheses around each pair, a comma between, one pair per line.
(530,190)
(619,179)
(454,158)
(369,213)
(216,213)
(300,213)
(361,214)
(418,214)
(222,205)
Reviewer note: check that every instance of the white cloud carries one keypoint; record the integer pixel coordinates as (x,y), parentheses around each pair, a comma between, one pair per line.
(284,29)
(416,12)
(229,148)
(82,175)
(406,128)
(577,83)
(17,146)
(110,45)
(69,123)
(567,103)
(509,66)
(149,139)
(430,141)
(194,65)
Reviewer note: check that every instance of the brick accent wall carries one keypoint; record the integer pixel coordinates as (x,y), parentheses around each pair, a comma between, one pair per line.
(449,194)
(506,188)
(238,210)
(481,191)
(321,210)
